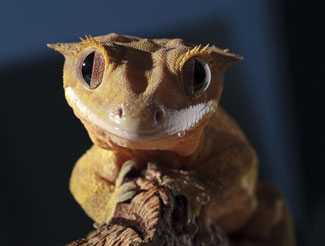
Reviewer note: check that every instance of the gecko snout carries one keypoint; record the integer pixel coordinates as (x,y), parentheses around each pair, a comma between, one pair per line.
(147,118)
(156,112)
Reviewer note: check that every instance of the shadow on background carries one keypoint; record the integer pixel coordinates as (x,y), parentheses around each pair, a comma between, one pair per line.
(302,25)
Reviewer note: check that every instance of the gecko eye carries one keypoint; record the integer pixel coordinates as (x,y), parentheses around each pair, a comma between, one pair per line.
(92,69)
(196,76)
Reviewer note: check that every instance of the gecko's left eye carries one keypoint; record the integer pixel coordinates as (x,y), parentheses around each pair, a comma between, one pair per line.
(196,76)
(92,69)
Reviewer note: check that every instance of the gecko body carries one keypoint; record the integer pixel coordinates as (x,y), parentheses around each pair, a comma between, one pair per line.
(157,100)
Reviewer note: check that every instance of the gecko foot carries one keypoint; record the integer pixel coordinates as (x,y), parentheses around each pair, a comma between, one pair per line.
(123,191)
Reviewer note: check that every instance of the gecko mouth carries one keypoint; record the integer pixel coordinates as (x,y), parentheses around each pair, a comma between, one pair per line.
(176,122)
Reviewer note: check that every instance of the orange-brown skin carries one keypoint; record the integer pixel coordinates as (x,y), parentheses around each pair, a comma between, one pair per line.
(143,77)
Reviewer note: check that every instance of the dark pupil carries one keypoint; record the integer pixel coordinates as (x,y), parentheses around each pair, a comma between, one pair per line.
(198,76)
(87,67)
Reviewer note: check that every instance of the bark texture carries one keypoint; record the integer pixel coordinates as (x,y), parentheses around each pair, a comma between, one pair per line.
(155,216)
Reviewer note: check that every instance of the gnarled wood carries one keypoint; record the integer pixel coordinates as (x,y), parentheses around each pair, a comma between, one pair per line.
(158,217)
(153,217)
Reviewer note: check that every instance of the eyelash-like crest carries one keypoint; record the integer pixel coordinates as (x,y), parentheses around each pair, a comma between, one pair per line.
(90,42)
(195,51)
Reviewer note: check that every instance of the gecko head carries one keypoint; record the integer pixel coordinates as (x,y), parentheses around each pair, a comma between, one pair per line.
(143,93)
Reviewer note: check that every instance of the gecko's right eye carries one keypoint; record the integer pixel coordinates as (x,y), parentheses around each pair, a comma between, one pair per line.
(92,69)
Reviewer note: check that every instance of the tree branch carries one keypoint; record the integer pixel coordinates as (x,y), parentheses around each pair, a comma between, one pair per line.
(153,217)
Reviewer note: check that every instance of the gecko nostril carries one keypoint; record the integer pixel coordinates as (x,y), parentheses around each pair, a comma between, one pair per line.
(119,112)
(158,115)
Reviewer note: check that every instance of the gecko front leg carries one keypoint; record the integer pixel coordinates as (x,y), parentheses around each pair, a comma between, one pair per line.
(123,191)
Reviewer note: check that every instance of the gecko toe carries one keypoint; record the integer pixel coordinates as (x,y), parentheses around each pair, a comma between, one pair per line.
(125,169)
(131,185)
(126,191)
(126,196)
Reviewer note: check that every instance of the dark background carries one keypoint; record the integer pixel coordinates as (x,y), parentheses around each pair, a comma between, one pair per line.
(276,94)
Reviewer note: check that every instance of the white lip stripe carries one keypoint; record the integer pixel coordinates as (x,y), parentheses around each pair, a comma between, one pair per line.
(176,120)
(90,116)
(83,109)
(185,119)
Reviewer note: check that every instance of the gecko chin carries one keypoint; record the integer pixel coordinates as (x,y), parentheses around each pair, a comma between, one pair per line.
(184,145)
(184,141)
(153,139)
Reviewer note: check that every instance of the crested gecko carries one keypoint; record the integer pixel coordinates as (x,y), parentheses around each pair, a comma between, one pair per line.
(158,100)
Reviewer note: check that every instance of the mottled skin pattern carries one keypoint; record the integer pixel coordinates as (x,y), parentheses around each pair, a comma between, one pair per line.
(143,77)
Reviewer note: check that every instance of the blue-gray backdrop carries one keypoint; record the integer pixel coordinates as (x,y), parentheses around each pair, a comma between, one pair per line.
(42,139)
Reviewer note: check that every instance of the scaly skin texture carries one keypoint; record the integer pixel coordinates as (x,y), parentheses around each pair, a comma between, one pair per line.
(142,111)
